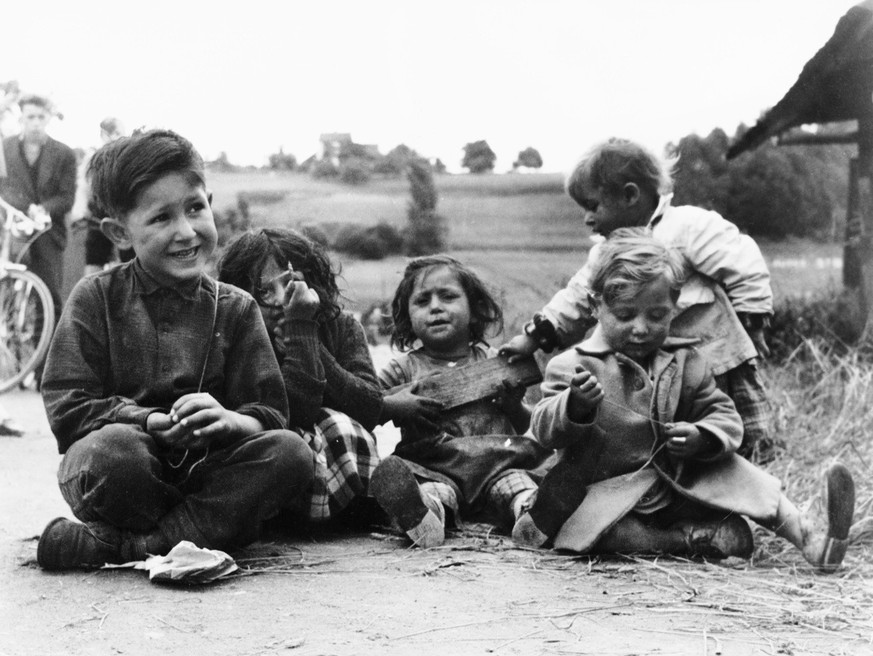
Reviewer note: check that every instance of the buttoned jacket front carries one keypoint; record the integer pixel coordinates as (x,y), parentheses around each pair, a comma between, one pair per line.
(680,387)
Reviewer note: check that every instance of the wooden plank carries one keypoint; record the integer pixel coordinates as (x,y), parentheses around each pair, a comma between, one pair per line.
(479,380)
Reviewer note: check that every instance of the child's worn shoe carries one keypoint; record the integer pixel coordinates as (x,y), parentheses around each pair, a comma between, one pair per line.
(420,516)
(825,527)
(70,545)
(719,539)
(526,533)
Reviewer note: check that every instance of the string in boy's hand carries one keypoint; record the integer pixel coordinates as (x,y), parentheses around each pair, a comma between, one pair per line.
(586,394)
(685,441)
(194,422)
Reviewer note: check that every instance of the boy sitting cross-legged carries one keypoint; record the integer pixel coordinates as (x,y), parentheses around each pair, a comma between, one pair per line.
(161,385)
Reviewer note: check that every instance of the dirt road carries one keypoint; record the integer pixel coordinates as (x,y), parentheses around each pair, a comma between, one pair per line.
(320,594)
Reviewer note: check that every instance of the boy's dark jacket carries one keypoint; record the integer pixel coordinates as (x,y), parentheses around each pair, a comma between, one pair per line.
(126,347)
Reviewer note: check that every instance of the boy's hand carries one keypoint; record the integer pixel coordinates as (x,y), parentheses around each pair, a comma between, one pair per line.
(161,427)
(407,407)
(195,421)
(685,440)
(519,346)
(586,394)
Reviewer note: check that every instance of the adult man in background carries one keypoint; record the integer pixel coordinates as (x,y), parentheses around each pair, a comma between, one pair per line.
(99,250)
(41,175)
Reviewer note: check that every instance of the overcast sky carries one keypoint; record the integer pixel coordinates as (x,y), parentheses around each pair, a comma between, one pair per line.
(249,76)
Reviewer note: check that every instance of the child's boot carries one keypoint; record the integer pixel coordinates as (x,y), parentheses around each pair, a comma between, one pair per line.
(556,499)
(70,545)
(718,539)
(421,516)
(526,533)
(825,527)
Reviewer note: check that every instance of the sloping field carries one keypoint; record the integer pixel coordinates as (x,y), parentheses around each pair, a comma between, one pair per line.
(521,232)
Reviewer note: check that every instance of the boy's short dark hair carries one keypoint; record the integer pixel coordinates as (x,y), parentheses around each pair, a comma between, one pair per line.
(610,165)
(35,99)
(121,169)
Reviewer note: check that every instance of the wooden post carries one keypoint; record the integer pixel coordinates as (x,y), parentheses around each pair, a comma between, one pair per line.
(862,242)
(851,265)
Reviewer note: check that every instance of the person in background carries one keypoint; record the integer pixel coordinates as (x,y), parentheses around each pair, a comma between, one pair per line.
(41,176)
(99,249)
(378,327)
(8,104)
(8,108)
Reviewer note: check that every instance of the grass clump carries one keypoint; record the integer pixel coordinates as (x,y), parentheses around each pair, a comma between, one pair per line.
(832,319)
(822,411)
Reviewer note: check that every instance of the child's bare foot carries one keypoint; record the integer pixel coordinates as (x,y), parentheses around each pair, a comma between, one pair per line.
(719,539)
(825,527)
(420,516)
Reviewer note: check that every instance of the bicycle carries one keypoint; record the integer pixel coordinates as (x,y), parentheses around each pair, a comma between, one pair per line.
(27,312)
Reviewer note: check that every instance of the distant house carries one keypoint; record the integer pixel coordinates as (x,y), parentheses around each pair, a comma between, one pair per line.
(307,164)
(333,144)
(337,146)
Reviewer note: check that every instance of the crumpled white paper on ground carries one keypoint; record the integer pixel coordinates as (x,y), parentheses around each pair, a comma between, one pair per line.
(185,563)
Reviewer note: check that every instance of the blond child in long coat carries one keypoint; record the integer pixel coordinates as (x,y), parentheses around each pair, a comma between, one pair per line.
(648,441)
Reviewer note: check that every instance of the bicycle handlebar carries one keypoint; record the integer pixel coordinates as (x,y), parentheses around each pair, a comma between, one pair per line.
(23,225)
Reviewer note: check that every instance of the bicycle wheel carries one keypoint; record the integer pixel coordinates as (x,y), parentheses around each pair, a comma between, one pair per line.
(27,320)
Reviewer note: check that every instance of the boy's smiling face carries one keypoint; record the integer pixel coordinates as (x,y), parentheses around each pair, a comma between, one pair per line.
(171,229)
(638,326)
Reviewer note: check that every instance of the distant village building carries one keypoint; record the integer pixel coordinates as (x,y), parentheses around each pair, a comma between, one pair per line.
(337,146)
(333,145)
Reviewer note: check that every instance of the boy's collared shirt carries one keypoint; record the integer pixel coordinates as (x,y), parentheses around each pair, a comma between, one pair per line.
(126,347)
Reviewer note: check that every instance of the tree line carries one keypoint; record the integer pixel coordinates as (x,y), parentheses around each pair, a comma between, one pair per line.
(774,191)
